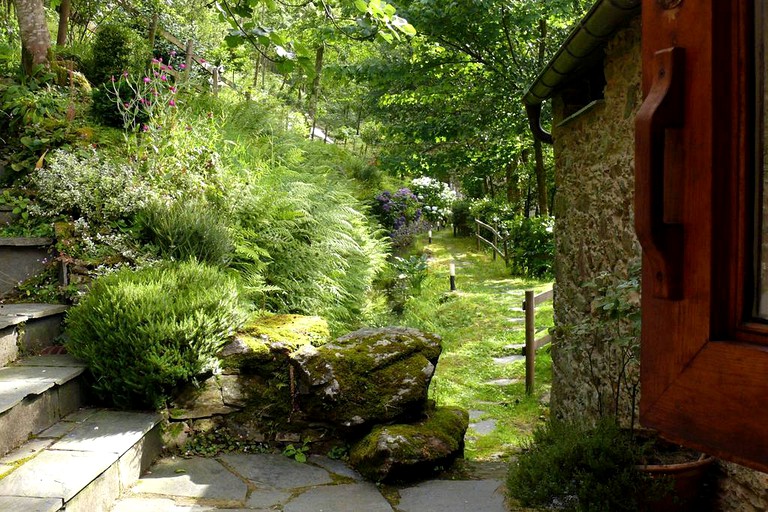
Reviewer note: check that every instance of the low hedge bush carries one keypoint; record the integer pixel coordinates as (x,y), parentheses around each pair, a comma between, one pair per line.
(144,332)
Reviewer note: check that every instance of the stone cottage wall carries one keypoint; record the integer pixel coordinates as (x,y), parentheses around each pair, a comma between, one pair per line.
(593,208)
(594,153)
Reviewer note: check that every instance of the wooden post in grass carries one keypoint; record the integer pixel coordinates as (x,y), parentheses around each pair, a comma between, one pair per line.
(188,58)
(530,341)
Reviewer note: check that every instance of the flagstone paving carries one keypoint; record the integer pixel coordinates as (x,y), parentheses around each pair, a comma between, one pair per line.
(271,482)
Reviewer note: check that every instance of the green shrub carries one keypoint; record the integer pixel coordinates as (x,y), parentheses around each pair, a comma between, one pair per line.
(143,332)
(188,229)
(34,121)
(531,245)
(116,49)
(572,467)
(463,222)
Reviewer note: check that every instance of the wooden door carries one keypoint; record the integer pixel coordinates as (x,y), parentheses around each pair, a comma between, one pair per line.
(698,204)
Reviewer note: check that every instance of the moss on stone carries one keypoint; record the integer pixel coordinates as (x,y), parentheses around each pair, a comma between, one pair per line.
(291,330)
(394,452)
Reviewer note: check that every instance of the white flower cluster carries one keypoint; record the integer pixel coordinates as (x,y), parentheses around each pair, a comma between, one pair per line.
(436,197)
(86,186)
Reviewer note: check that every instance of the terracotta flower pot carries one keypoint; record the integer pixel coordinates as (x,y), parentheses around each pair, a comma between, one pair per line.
(687,478)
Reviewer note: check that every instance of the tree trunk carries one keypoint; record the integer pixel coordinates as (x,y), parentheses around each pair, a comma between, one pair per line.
(64,10)
(35,38)
(541,177)
(312,109)
(513,192)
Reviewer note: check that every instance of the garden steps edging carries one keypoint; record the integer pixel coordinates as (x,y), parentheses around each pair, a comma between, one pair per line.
(35,393)
(22,258)
(82,463)
(28,329)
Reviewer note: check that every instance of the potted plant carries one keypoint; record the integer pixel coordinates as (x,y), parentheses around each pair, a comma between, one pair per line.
(609,464)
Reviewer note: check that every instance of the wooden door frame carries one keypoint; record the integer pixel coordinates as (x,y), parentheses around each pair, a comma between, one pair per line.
(704,363)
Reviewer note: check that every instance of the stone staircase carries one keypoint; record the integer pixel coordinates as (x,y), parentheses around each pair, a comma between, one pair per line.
(56,453)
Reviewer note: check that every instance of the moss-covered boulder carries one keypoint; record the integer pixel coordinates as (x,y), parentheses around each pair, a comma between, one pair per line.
(406,452)
(367,377)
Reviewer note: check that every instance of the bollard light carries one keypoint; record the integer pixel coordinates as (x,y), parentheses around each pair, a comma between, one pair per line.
(430,236)
(452,274)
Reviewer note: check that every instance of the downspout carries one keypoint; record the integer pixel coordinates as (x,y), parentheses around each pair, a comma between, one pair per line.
(580,49)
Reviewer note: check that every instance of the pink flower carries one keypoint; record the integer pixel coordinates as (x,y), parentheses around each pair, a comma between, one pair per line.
(163,78)
(173,53)
(155,61)
(112,78)
(144,128)
(173,89)
(203,61)
(127,105)
(183,66)
(172,103)
(125,74)
(147,80)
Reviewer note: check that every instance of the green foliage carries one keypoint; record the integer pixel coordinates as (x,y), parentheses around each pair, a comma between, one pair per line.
(611,333)
(297,453)
(143,332)
(116,49)
(318,249)
(573,467)
(33,120)
(414,269)
(462,219)
(218,441)
(531,245)
(187,229)
(87,186)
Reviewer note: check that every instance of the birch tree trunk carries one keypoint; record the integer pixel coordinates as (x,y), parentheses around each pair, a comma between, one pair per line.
(35,38)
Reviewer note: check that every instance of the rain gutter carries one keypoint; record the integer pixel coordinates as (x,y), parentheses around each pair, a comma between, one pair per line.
(582,48)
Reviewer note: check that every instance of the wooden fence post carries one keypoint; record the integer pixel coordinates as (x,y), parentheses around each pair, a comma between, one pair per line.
(188,59)
(530,341)
(477,235)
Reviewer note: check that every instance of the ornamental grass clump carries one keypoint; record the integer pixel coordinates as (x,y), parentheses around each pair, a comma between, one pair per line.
(144,332)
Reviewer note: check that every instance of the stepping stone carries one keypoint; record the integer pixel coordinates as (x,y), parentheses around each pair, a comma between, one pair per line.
(275,471)
(454,496)
(356,497)
(192,478)
(484,427)
(508,359)
(30,504)
(474,414)
(516,319)
(503,382)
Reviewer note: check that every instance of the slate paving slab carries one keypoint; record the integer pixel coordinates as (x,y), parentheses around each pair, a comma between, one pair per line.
(276,471)
(18,382)
(453,496)
(108,431)
(355,497)
(30,504)
(193,478)
(484,427)
(55,474)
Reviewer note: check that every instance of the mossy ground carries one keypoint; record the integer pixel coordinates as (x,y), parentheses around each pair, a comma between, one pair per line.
(479,322)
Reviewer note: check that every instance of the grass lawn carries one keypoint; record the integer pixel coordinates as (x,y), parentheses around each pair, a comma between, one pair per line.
(480,321)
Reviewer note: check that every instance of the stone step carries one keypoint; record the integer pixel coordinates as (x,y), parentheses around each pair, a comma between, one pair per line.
(35,393)
(22,258)
(7,216)
(28,328)
(80,464)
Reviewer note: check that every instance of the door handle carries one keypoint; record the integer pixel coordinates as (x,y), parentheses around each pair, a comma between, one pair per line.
(658,186)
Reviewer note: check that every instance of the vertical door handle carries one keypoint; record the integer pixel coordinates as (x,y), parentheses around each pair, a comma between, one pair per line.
(658,186)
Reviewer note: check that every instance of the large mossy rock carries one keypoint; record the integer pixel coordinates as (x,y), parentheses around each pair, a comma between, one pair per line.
(406,452)
(367,377)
